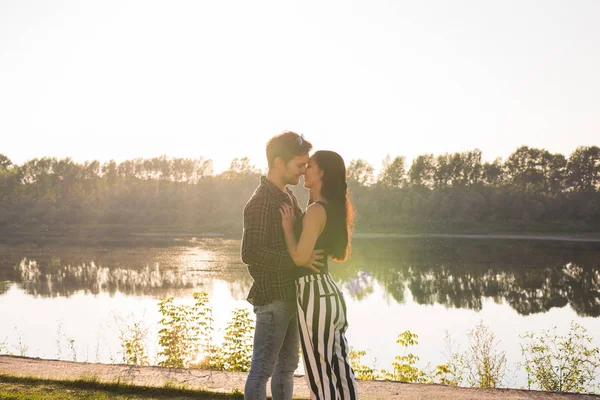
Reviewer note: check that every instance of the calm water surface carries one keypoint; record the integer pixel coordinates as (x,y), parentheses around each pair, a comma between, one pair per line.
(72,302)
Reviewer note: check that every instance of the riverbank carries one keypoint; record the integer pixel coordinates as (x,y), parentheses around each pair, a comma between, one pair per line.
(221,382)
(166,237)
(587,237)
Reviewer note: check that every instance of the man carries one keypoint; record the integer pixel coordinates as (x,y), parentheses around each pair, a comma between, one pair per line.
(276,340)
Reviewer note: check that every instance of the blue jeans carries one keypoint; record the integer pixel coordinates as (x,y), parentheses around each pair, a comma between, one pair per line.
(275,352)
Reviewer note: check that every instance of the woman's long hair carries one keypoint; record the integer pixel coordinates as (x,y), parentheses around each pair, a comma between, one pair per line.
(340,214)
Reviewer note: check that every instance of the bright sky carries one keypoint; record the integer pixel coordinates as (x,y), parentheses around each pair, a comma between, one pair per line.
(123,79)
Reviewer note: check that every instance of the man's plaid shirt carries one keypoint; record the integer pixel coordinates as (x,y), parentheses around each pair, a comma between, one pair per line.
(263,244)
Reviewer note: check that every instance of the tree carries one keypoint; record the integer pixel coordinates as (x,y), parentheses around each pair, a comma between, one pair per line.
(5,162)
(458,169)
(393,173)
(583,169)
(470,168)
(443,171)
(535,170)
(422,171)
(360,172)
(109,173)
(556,173)
(9,179)
(240,167)
(493,173)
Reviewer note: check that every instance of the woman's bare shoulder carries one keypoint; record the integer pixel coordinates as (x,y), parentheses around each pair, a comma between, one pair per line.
(316,211)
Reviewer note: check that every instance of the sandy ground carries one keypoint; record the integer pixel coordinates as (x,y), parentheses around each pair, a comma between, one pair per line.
(228,381)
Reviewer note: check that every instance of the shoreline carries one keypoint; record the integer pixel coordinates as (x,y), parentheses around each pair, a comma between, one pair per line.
(593,237)
(7,238)
(228,382)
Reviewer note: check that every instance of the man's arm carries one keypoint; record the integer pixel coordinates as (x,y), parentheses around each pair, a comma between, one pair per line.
(256,250)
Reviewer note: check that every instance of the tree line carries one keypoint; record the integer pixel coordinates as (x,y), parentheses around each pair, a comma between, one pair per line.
(532,189)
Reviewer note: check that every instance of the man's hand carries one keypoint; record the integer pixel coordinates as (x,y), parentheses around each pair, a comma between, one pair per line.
(313,264)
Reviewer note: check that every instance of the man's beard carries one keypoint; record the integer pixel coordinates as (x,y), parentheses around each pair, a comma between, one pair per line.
(293,180)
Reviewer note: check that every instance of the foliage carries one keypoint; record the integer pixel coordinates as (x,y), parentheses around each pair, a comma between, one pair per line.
(186,338)
(563,363)
(133,337)
(444,374)
(236,352)
(73,349)
(360,172)
(404,366)
(239,169)
(422,171)
(5,162)
(486,363)
(532,189)
(183,328)
(481,365)
(21,347)
(553,362)
(583,169)
(452,372)
(392,172)
(362,371)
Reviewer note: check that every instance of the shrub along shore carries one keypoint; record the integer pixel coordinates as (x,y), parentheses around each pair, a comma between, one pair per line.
(567,362)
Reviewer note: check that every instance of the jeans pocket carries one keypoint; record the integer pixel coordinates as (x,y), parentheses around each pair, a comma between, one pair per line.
(265,309)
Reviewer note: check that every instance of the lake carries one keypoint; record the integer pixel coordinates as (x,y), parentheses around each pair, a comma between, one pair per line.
(71,301)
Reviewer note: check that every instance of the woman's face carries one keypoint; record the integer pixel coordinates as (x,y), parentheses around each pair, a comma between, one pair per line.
(313,175)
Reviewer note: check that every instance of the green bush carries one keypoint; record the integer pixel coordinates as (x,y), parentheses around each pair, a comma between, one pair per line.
(562,363)
(133,339)
(184,329)
(404,366)
(236,353)
(486,363)
(362,371)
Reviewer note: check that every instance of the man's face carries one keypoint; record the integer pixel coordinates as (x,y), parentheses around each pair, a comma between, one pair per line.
(294,169)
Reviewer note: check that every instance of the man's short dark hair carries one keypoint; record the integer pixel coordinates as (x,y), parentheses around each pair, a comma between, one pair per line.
(286,146)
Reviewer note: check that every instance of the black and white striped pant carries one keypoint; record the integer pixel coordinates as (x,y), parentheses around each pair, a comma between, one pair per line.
(322,322)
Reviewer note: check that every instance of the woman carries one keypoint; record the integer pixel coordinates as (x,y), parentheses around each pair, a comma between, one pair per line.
(321,307)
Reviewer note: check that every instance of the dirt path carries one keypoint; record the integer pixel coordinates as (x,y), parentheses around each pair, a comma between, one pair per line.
(228,381)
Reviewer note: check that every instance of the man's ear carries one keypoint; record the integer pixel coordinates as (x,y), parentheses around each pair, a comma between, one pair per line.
(278,163)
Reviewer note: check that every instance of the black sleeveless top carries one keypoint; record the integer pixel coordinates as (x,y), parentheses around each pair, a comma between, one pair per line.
(323,243)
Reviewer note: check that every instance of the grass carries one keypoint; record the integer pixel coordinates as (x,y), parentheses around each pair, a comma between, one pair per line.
(22,388)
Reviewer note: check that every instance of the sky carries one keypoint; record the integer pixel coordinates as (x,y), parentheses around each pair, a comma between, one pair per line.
(101,80)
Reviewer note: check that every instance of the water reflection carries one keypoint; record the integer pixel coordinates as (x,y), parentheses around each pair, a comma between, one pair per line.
(65,280)
(131,271)
(4,286)
(531,277)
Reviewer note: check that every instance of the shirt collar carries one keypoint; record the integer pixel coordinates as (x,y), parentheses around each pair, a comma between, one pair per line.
(274,191)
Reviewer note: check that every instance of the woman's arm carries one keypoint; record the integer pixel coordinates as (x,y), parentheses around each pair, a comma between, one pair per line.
(312,226)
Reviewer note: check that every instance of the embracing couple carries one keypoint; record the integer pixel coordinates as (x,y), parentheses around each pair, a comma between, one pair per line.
(294,297)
